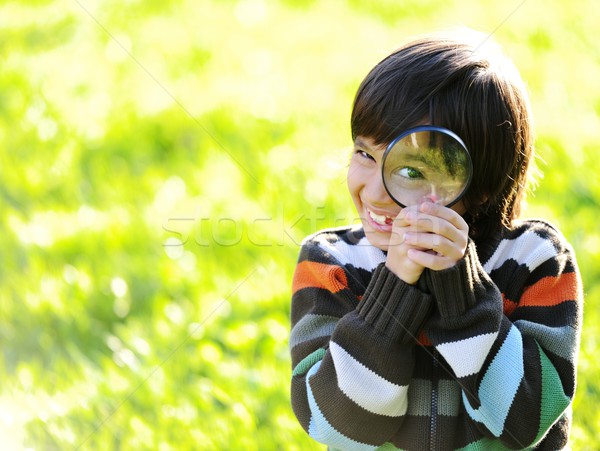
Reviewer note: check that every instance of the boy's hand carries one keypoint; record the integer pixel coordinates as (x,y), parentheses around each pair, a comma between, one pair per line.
(426,236)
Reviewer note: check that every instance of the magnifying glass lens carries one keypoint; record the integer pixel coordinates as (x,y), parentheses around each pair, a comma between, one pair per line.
(426,164)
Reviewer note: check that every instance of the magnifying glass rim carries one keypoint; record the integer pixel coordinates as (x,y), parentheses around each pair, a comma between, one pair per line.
(427,128)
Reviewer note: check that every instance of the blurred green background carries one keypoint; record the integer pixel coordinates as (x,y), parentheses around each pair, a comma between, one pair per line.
(161,161)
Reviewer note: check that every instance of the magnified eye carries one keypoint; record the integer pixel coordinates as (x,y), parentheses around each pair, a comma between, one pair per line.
(409,173)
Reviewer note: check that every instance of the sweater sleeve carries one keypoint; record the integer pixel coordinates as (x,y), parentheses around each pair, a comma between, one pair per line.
(512,346)
(352,352)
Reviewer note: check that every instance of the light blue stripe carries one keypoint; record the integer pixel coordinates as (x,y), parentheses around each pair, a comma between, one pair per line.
(320,429)
(500,384)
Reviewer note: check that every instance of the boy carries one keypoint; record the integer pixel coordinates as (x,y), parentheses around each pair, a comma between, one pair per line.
(433,327)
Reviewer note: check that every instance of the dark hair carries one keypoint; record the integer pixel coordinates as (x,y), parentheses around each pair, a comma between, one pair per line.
(452,81)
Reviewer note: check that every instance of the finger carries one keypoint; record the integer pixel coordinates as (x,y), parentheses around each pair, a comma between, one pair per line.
(426,223)
(439,244)
(406,216)
(429,260)
(411,219)
(446,213)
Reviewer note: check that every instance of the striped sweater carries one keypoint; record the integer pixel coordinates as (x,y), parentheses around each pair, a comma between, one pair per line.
(481,356)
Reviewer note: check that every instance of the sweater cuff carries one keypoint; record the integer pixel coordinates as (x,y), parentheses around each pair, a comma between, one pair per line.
(454,288)
(393,307)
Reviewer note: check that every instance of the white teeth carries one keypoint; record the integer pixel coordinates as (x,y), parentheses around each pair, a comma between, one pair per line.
(379,219)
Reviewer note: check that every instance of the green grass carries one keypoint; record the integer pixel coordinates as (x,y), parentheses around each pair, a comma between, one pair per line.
(161,162)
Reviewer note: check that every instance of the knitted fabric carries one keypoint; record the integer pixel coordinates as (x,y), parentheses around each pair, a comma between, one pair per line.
(481,356)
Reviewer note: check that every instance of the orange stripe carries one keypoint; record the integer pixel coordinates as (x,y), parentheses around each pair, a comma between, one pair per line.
(508,305)
(551,291)
(319,275)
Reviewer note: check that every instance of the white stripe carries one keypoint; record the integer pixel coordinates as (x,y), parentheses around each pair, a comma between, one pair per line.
(467,356)
(360,255)
(321,430)
(366,388)
(529,249)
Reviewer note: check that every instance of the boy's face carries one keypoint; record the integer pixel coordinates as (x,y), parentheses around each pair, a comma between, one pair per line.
(375,207)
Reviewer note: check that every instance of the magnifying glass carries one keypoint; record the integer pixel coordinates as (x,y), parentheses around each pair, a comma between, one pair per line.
(426,164)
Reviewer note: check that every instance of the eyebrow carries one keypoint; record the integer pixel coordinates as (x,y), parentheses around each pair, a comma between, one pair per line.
(419,158)
(428,160)
(360,143)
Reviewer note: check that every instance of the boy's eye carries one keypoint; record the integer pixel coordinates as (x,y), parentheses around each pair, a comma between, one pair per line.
(409,173)
(364,154)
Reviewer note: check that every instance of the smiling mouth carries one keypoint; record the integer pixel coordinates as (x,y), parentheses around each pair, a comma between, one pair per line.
(380,219)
